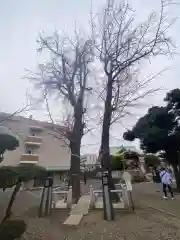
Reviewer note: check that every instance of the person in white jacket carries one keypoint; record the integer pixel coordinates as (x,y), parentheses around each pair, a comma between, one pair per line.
(166,180)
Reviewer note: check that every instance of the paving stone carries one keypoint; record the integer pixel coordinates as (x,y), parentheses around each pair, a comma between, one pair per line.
(73,220)
(82,207)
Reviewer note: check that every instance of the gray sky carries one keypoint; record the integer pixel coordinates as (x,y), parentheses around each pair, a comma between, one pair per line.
(20,23)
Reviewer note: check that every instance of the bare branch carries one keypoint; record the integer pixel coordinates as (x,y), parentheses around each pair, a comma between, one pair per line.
(121,45)
(6,117)
(66,75)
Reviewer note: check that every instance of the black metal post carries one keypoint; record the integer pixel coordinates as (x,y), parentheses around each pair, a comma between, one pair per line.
(107,200)
(48,184)
(46,199)
(108,210)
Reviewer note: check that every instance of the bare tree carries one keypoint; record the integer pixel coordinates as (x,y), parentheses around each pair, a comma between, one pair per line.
(121,46)
(66,74)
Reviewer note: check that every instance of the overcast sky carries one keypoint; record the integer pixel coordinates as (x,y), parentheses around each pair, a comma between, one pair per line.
(20,23)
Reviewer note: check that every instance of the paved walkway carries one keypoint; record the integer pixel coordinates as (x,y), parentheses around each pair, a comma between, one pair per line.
(82,207)
(150,195)
(78,211)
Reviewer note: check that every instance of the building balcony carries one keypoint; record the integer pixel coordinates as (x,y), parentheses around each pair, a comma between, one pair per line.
(36,128)
(29,158)
(34,140)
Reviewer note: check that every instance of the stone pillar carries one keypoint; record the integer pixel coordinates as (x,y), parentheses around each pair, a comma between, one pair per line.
(55,198)
(69,197)
(92,198)
(128,188)
(126,198)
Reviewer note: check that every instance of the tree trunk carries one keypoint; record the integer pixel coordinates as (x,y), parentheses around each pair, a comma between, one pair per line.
(10,204)
(174,156)
(176,175)
(106,126)
(105,162)
(75,171)
(75,145)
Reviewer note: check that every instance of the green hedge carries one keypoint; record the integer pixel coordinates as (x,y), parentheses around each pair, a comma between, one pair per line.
(117,162)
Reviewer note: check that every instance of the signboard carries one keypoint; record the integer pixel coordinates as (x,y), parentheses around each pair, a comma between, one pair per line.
(105,177)
(75,174)
(105,180)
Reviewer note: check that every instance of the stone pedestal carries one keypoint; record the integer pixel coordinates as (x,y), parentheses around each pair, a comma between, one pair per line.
(69,197)
(92,198)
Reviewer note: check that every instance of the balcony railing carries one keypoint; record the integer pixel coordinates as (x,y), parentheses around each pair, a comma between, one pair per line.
(36,128)
(29,158)
(33,140)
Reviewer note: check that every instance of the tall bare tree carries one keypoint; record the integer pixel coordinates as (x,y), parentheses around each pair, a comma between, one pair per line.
(66,74)
(121,46)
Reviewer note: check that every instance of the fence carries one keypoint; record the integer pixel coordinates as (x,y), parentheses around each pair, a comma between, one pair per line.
(122,192)
(62,195)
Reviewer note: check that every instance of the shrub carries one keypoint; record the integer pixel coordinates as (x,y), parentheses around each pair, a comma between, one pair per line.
(117,162)
(12,229)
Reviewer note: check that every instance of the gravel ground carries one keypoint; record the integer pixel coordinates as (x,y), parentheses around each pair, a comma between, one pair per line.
(145,224)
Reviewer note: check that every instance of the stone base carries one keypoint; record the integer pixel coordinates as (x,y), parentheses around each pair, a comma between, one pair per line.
(99,205)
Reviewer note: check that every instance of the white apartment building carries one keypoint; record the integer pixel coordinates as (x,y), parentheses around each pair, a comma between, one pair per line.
(89,161)
(38,144)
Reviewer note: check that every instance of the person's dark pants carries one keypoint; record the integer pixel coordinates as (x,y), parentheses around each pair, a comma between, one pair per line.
(165,186)
(85,180)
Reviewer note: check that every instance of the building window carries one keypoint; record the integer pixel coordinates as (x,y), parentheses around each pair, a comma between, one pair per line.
(32,132)
(28,151)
